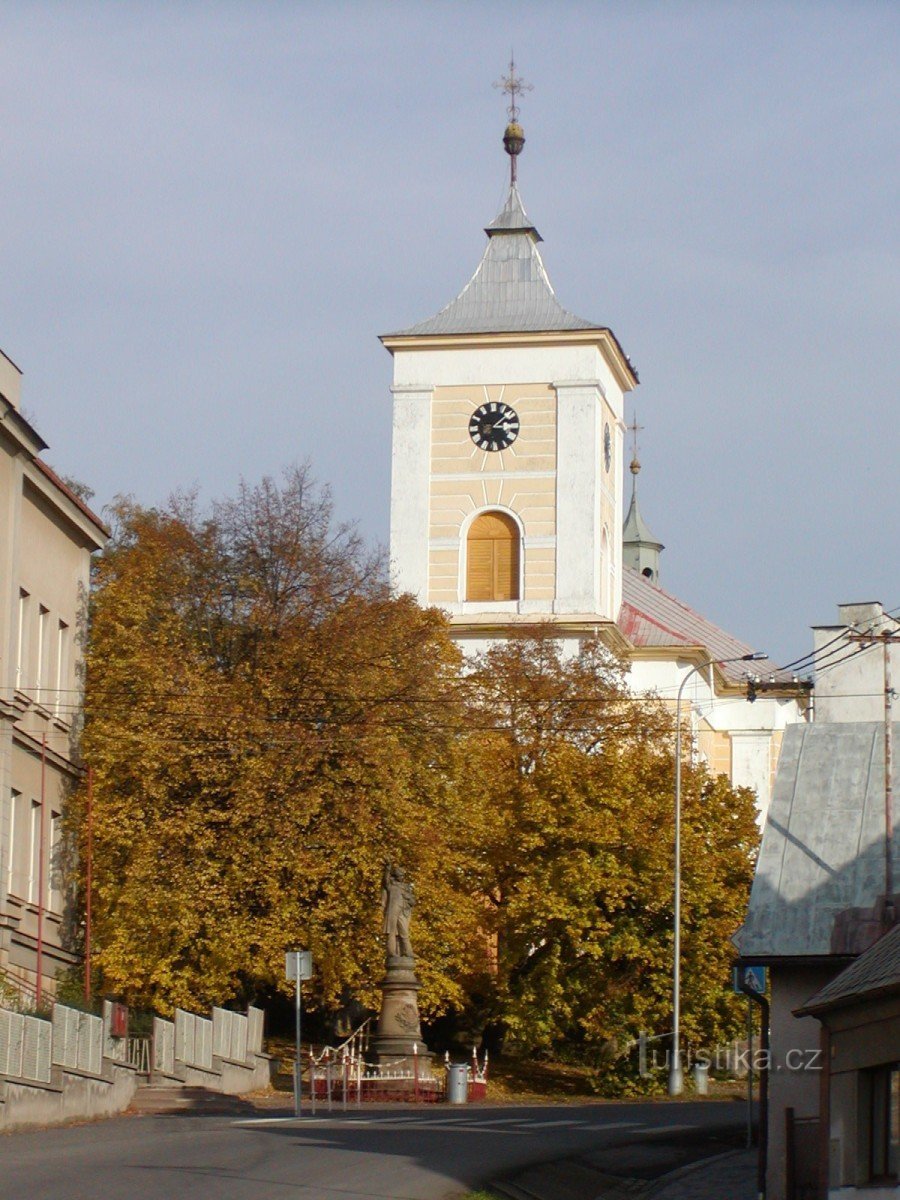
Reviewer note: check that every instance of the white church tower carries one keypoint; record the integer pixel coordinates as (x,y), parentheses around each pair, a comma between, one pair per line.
(507,498)
(508,437)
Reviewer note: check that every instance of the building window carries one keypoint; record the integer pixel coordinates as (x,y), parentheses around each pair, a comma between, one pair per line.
(884,1124)
(22,639)
(43,654)
(34,853)
(12,843)
(62,669)
(492,558)
(54,897)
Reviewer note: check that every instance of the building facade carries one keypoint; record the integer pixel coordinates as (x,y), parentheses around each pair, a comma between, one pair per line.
(819,900)
(47,537)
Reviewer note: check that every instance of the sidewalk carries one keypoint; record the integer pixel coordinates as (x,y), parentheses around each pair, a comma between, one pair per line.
(725,1177)
(729,1176)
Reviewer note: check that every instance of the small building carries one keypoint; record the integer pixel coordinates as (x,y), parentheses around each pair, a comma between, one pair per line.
(47,537)
(850,673)
(860,1130)
(817,903)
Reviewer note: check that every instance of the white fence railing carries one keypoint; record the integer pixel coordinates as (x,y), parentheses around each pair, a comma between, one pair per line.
(255,1021)
(229,1034)
(193,1040)
(25,1046)
(77,1040)
(163,1046)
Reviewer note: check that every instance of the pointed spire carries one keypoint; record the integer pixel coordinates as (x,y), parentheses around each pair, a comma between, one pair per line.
(510,290)
(512,217)
(640,549)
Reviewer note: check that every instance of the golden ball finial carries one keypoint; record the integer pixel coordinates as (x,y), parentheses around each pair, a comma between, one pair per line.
(634,466)
(513,138)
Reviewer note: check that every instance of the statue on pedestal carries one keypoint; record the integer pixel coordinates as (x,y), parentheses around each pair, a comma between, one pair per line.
(398,1036)
(397,900)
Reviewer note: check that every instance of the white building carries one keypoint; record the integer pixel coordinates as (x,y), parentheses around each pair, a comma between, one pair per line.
(47,536)
(850,674)
(507,496)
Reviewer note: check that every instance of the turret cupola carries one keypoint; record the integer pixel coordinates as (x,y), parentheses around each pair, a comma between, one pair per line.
(640,549)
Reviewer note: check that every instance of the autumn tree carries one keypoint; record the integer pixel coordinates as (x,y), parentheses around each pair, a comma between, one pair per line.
(570,840)
(266,726)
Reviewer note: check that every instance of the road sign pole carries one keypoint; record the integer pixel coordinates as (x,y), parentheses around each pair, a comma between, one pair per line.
(298,966)
(298,1065)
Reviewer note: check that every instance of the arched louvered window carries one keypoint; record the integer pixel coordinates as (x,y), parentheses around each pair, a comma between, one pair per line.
(492,558)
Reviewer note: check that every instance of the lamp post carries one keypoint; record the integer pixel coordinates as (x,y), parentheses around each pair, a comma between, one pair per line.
(676,1076)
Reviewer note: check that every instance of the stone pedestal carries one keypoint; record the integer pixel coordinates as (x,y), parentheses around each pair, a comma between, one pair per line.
(398,1029)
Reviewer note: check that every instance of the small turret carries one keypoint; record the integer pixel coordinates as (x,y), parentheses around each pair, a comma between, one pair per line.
(640,549)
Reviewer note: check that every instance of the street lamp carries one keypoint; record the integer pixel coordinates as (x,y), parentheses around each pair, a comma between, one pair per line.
(676,1076)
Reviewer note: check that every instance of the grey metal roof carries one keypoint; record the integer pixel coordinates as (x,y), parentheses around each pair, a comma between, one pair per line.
(635,530)
(876,971)
(510,291)
(823,845)
(512,217)
(652,617)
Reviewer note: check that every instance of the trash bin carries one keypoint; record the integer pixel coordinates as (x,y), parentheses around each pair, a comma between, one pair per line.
(457,1083)
(701,1078)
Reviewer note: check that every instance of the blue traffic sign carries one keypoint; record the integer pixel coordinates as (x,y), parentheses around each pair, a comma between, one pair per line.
(749,979)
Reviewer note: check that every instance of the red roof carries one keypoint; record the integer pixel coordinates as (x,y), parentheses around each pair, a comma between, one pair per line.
(67,491)
(650,617)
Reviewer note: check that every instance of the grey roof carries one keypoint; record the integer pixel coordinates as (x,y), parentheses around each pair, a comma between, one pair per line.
(510,291)
(635,530)
(823,845)
(874,973)
(652,617)
(512,217)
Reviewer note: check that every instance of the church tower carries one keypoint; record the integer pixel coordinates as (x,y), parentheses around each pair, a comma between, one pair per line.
(508,435)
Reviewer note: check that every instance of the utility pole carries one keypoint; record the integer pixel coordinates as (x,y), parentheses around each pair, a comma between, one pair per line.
(887,638)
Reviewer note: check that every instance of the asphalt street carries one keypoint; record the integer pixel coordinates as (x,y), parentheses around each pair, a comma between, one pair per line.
(400,1154)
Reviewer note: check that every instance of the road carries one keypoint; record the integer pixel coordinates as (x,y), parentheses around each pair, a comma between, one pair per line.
(383,1154)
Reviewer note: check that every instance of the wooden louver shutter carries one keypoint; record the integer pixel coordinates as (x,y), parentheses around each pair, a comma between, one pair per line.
(493,558)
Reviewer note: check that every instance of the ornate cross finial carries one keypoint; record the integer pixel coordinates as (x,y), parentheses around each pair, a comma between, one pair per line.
(514,86)
(634,429)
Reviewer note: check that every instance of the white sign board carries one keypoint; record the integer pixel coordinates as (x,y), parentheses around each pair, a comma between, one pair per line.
(298,964)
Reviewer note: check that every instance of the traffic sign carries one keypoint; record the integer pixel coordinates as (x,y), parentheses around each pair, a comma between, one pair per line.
(749,979)
(298,965)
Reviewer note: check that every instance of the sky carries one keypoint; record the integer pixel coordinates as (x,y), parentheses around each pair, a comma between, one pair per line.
(210,212)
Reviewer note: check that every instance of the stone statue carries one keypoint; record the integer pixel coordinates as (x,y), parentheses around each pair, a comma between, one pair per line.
(397,900)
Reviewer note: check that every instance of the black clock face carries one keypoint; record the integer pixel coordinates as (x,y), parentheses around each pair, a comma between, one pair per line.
(607,447)
(494,426)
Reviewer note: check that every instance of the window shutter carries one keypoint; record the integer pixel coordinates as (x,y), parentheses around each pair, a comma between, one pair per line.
(492,571)
(480,583)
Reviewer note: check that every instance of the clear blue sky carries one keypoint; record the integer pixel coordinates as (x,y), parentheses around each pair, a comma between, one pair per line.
(211,210)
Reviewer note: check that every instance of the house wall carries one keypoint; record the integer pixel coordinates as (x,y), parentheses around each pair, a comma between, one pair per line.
(46,542)
(850,678)
(796,1067)
(862,1036)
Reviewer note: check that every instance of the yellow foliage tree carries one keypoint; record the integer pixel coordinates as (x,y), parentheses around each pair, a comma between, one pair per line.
(266,726)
